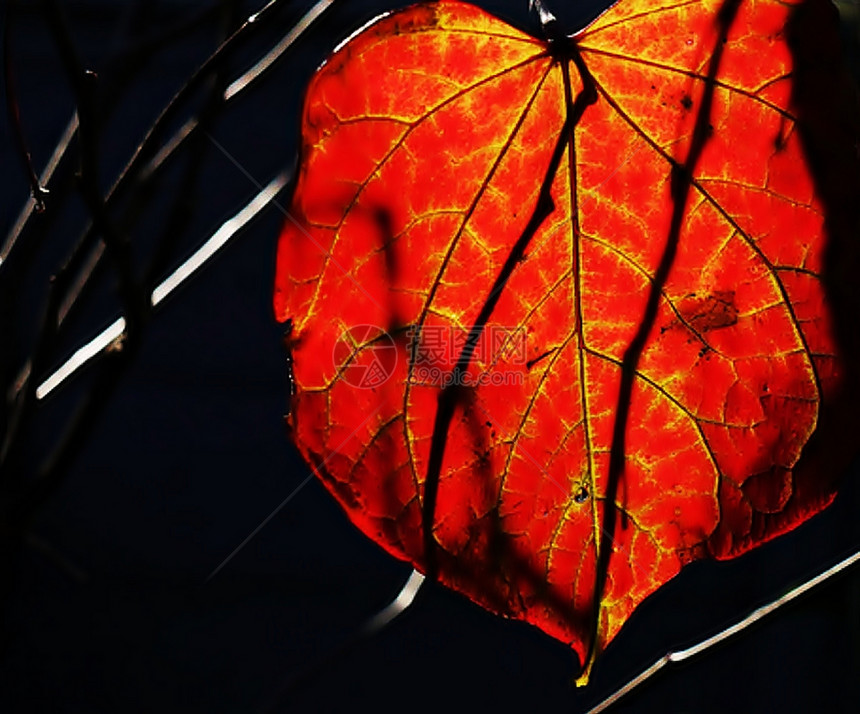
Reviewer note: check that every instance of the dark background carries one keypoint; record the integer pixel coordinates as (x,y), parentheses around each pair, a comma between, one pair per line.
(107,608)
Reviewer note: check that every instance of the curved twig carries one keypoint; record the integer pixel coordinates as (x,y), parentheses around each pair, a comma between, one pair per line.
(731,631)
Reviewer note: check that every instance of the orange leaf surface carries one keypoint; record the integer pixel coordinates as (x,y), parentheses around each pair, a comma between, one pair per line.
(557,317)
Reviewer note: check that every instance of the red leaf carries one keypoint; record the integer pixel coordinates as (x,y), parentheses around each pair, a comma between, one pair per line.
(531,278)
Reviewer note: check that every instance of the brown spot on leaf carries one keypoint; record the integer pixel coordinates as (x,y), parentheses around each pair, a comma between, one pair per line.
(709,312)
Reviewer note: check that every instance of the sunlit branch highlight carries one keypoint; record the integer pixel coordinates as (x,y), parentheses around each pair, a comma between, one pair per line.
(725,634)
(199,258)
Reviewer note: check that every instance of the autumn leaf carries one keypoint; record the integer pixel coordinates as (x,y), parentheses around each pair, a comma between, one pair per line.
(558,324)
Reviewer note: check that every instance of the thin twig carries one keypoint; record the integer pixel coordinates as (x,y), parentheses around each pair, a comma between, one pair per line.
(182,210)
(201,256)
(259,69)
(740,626)
(212,64)
(397,606)
(82,82)
(37,192)
(21,404)
(149,171)
(44,179)
(124,66)
(118,248)
(374,625)
(115,360)
(314,472)
(146,171)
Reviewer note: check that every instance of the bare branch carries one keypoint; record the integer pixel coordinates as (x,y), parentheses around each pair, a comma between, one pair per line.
(137,168)
(203,254)
(731,631)
(38,193)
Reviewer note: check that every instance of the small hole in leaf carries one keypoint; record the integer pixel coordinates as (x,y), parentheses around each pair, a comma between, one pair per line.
(581,495)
